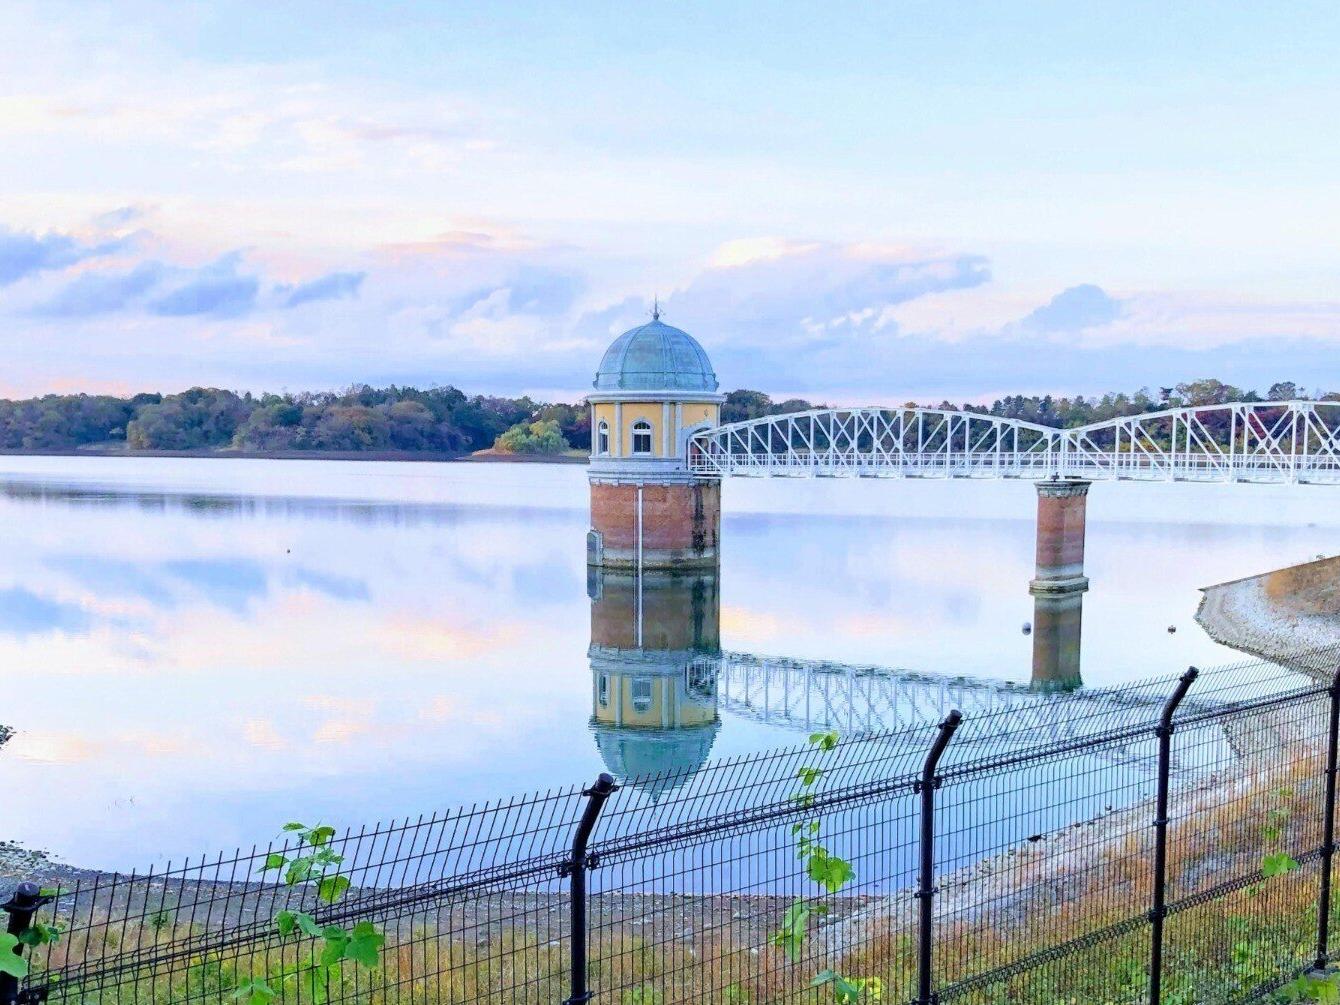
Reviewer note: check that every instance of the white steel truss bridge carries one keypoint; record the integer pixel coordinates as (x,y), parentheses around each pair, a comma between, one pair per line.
(1287,442)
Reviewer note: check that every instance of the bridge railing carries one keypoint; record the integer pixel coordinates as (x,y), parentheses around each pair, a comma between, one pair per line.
(876,463)
(1126,466)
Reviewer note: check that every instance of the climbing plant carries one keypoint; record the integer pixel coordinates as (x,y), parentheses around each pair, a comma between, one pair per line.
(314,864)
(828,872)
(35,935)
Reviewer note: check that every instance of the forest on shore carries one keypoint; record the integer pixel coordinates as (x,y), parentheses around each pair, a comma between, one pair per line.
(447,421)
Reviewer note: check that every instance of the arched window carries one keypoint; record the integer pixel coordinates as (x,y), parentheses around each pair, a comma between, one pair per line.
(604,690)
(603,437)
(641,437)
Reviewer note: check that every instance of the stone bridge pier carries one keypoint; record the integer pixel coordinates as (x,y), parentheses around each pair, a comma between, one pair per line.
(1059,583)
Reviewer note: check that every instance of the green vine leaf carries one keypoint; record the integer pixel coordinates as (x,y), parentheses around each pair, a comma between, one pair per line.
(1277,864)
(254,992)
(319,836)
(299,871)
(40,935)
(365,945)
(11,963)
(288,921)
(332,888)
(845,991)
(824,741)
(337,940)
(790,938)
(829,871)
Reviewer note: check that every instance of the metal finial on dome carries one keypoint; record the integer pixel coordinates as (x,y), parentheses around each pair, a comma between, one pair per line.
(656,308)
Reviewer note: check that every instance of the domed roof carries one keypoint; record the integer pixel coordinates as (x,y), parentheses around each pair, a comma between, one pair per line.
(655,761)
(655,357)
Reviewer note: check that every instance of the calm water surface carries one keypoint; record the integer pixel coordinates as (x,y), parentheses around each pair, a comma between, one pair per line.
(195,651)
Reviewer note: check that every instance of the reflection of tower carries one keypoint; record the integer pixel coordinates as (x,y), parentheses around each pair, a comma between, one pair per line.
(654,659)
(1059,583)
(1056,638)
(655,387)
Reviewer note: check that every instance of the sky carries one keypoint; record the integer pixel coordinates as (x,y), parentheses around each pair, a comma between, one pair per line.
(857,203)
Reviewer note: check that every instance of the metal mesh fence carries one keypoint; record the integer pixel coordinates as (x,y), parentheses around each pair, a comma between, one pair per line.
(1030,864)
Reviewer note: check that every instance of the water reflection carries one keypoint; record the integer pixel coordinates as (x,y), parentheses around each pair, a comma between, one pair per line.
(227,506)
(655,644)
(175,628)
(661,683)
(1057,620)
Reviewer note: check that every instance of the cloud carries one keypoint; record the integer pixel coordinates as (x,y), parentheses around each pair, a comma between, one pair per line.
(24,613)
(1072,310)
(230,583)
(789,296)
(528,289)
(335,286)
(24,254)
(119,217)
(102,292)
(331,585)
(217,290)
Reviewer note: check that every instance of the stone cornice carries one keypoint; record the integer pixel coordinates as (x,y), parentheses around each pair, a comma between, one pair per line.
(1066,489)
(688,397)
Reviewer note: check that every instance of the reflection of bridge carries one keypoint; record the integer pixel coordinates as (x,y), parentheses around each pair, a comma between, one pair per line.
(816,694)
(1289,441)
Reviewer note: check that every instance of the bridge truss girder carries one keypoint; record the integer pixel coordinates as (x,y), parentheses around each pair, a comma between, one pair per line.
(1280,442)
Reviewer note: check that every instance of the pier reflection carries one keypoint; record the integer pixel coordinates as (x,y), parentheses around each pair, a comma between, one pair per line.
(655,649)
(1057,620)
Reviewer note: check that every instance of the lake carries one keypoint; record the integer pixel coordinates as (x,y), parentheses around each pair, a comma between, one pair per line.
(198,650)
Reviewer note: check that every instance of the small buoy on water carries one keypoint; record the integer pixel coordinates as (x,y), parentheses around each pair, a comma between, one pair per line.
(1171,629)
(1028,628)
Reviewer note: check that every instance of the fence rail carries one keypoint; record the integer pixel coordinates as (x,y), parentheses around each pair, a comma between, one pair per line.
(1180,836)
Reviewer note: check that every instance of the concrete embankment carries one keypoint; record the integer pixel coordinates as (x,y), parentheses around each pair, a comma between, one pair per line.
(1287,616)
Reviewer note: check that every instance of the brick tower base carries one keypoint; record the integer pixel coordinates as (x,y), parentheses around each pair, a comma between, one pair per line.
(659,526)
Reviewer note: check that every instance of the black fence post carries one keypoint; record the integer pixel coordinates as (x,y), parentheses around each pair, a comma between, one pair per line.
(575,868)
(926,873)
(1159,911)
(1328,831)
(21,908)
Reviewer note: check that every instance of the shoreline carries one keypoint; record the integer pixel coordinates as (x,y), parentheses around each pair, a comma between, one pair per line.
(1289,616)
(488,456)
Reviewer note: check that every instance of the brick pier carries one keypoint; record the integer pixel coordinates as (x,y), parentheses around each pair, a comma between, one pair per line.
(1059,583)
(669,525)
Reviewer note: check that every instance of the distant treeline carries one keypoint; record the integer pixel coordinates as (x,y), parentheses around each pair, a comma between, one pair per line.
(441,420)
(1060,412)
(446,420)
